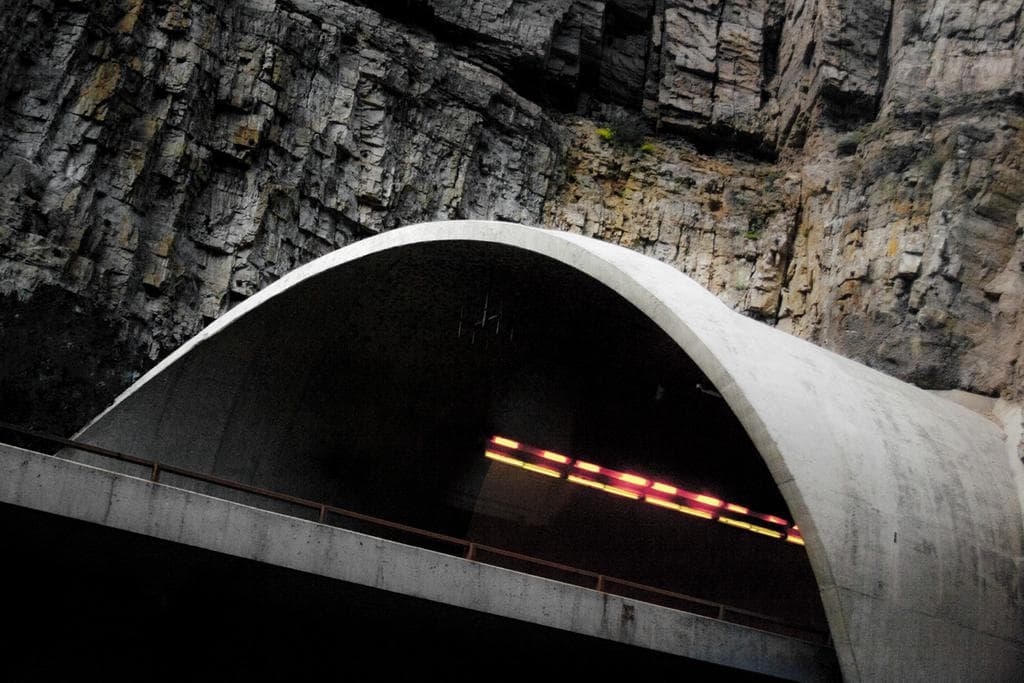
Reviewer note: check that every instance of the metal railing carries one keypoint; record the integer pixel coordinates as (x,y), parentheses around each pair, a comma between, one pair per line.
(469,550)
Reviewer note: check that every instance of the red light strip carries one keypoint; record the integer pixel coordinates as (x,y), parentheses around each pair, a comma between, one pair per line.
(636,487)
(555,457)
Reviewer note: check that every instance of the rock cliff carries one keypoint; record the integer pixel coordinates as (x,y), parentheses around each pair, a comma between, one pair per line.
(849,170)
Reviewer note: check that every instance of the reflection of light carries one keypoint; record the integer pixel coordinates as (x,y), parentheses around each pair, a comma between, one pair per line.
(731,507)
(765,532)
(750,527)
(508,443)
(542,470)
(795,539)
(733,522)
(664,488)
(708,500)
(622,492)
(589,467)
(662,502)
(586,482)
(555,457)
(633,479)
(504,458)
(696,513)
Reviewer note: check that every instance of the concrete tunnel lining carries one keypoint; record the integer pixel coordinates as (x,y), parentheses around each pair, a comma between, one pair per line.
(863,461)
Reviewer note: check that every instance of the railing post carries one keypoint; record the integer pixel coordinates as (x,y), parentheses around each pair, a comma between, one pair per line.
(323,512)
(471,551)
(600,583)
(155,476)
(721,612)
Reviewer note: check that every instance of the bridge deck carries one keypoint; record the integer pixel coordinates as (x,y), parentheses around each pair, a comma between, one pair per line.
(71,489)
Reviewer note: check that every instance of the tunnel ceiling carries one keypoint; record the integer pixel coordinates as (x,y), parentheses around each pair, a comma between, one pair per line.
(449,343)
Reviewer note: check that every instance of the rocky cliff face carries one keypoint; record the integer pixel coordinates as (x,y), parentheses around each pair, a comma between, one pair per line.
(850,171)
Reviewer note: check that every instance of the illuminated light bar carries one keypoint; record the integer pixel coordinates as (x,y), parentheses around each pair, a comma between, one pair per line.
(751,527)
(622,492)
(766,532)
(556,465)
(734,522)
(554,457)
(774,520)
(542,470)
(703,514)
(661,502)
(504,458)
(633,479)
(586,482)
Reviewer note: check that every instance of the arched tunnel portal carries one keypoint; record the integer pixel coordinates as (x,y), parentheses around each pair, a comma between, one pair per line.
(376,378)
(378,387)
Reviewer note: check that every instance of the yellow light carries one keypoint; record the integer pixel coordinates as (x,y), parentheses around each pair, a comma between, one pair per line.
(633,479)
(790,534)
(662,503)
(504,458)
(586,482)
(542,470)
(622,492)
(555,457)
(696,513)
(734,522)
(765,532)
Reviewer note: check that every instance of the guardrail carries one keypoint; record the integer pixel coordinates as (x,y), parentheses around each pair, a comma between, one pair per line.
(470,550)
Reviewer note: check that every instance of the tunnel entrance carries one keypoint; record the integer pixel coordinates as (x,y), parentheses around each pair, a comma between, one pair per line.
(407,363)
(379,386)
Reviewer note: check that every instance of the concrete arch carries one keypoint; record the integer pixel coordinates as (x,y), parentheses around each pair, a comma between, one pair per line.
(907,501)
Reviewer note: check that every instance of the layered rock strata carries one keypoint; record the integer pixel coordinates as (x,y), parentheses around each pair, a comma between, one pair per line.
(849,171)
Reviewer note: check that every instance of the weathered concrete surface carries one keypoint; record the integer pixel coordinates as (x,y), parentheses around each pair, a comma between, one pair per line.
(83,492)
(907,501)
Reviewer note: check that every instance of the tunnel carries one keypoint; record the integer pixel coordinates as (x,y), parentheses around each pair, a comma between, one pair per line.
(379,389)
(564,399)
